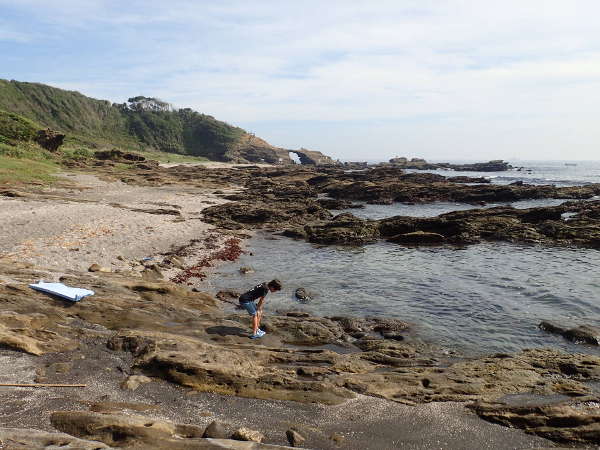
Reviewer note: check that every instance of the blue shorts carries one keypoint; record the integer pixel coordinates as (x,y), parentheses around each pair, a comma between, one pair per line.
(250,307)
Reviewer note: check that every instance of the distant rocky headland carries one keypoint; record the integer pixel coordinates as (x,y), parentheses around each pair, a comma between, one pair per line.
(497,165)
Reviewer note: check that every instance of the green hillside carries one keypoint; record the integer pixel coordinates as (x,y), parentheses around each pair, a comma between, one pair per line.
(142,123)
(14,128)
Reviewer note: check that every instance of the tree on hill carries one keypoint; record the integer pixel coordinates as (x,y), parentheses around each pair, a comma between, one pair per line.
(141,103)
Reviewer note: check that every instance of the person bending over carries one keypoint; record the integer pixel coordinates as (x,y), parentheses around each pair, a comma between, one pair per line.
(248,299)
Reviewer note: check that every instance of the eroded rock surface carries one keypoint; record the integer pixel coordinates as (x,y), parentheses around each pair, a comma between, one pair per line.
(543,225)
(121,430)
(569,421)
(27,438)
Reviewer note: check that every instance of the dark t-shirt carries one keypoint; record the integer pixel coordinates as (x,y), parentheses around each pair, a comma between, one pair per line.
(258,291)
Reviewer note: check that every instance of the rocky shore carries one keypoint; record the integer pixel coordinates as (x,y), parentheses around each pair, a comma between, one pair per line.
(165,366)
(420,164)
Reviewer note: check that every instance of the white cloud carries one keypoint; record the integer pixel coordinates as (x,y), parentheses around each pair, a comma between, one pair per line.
(434,69)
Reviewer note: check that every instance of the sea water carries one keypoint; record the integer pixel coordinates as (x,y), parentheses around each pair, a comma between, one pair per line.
(475,299)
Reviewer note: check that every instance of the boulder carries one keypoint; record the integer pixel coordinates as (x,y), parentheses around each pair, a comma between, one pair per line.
(152,273)
(246,434)
(294,438)
(302,295)
(175,261)
(98,268)
(49,139)
(134,381)
(215,430)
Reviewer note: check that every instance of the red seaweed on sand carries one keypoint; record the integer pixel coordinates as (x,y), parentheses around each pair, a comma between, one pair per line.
(230,251)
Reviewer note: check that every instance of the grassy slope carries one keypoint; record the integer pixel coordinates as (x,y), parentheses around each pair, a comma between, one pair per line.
(98,123)
(83,119)
(23,161)
(14,170)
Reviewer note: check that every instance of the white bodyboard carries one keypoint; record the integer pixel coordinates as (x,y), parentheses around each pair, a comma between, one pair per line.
(59,289)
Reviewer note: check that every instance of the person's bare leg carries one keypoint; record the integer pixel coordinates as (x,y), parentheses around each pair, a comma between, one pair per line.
(255,322)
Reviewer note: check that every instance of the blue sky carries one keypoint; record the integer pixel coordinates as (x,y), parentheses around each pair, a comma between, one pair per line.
(454,79)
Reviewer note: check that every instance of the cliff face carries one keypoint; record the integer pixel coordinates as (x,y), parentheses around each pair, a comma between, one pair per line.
(250,148)
(141,123)
(313,157)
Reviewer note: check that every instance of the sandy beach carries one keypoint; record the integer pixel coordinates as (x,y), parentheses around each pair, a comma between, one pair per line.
(91,221)
(132,322)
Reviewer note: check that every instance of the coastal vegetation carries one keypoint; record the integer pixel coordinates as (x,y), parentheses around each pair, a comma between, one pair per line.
(140,124)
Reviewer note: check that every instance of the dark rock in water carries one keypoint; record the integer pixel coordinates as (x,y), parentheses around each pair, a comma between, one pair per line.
(496,165)
(279,213)
(49,139)
(533,225)
(294,438)
(583,334)
(294,233)
(418,237)
(336,203)
(343,229)
(464,179)
(552,327)
(381,201)
(297,314)
(215,430)
(302,295)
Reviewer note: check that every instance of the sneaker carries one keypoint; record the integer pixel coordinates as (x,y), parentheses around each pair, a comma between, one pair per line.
(256,336)
(260,332)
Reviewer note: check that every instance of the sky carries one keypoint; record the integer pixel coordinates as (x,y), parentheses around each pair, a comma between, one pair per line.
(357,80)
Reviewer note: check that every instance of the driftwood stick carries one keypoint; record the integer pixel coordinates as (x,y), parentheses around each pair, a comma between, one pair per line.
(41,385)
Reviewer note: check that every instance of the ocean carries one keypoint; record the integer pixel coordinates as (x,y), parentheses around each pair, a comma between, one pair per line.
(475,300)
